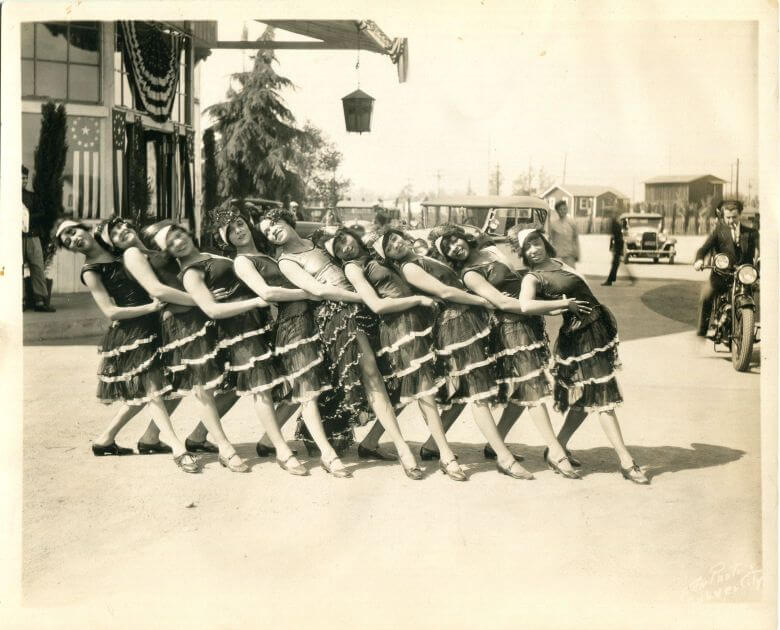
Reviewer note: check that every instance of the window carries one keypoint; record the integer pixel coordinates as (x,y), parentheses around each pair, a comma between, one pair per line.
(123,94)
(61,60)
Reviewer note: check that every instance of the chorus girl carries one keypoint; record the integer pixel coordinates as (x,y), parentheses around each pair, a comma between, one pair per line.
(186,332)
(586,355)
(460,333)
(242,342)
(405,335)
(130,367)
(297,342)
(344,326)
(519,342)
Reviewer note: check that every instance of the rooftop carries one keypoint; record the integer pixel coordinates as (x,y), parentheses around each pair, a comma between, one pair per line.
(582,190)
(683,179)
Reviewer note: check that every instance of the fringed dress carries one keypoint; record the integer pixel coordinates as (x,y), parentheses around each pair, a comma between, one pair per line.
(406,348)
(189,345)
(518,342)
(338,324)
(130,368)
(586,352)
(461,337)
(244,342)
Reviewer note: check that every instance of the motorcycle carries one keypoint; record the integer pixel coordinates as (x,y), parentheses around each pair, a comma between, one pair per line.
(734,312)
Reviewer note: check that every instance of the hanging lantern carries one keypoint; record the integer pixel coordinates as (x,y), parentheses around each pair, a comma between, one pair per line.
(358,107)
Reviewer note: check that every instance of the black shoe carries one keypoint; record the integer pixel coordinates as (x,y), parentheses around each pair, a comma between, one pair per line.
(110,449)
(264,451)
(427,454)
(153,449)
(369,453)
(204,447)
(44,308)
(606,284)
(489,453)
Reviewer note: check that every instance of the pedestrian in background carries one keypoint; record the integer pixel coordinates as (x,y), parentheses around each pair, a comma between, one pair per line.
(32,251)
(616,246)
(564,235)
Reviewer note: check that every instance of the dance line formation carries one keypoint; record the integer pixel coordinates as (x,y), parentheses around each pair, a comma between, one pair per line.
(350,329)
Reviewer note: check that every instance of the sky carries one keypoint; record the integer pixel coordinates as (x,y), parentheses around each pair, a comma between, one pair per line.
(618,101)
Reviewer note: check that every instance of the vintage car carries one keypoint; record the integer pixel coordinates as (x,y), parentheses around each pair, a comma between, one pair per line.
(644,237)
(487,217)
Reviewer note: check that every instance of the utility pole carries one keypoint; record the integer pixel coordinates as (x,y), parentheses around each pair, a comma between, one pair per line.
(737,180)
(498,179)
(563,179)
(438,183)
(731,179)
(750,187)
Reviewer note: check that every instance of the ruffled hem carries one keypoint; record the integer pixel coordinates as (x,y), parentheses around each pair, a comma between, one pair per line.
(296,344)
(184,340)
(450,348)
(280,380)
(414,366)
(212,384)
(587,355)
(126,376)
(407,338)
(199,361)
(252,362)
(526,377)
(306,368)
(471,367)
(231,341)
(593,381)
(132,346)
(405,400)
(135,402)
(508,352)
(598,408)
(465,400)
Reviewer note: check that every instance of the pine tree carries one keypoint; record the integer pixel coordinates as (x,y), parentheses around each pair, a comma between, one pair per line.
(256,134)
(50,157)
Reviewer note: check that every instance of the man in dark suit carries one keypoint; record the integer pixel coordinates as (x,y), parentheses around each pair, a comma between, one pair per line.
(738,242)
(616,246)
(32,251)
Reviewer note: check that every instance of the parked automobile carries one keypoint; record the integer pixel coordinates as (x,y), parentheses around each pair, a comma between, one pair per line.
(644,237)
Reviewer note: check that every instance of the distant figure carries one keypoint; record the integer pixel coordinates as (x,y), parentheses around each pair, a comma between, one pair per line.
(564,236)
(381,219)
(616,245)
(739,242)
(330,218)
(32,251)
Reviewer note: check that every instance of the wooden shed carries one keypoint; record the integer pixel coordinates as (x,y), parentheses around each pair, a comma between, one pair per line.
(683,189)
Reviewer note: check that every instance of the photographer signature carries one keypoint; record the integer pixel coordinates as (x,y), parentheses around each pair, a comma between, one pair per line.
(722,583)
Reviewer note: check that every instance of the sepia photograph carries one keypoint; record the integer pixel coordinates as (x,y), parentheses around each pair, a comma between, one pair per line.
(369,316)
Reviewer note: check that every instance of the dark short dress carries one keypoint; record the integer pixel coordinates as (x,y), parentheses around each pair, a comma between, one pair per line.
(518,342)
(406,348)
(244,342)
(586,352)
(189,344)
(338,324)
(130,368)
(297,339)
(461,336)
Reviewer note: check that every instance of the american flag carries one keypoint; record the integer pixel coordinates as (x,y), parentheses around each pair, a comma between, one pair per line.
(119,145)
(85,144)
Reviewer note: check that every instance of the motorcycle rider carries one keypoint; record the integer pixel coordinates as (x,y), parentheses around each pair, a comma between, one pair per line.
(737,241)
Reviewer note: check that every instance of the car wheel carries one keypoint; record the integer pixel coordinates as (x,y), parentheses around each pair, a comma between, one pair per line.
(625,258)
(655,259)
(671,260)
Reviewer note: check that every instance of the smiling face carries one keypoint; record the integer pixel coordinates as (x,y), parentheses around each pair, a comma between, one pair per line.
(77,239)
(396,247)
(535,250)
(178,243)
(346,247)
(457,248)
(277,232)
(123,236)
(238,233)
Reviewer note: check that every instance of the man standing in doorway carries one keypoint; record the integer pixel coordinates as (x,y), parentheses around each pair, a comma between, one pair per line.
(564,236)
(32,252)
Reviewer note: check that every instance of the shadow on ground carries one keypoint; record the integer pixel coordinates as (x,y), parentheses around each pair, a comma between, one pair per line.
(655,460)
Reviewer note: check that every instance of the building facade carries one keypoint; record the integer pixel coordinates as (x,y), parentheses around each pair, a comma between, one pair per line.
(682,190)
(131,92)
(588,205)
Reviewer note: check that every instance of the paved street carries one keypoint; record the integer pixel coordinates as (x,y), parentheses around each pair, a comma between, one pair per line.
(118,534)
